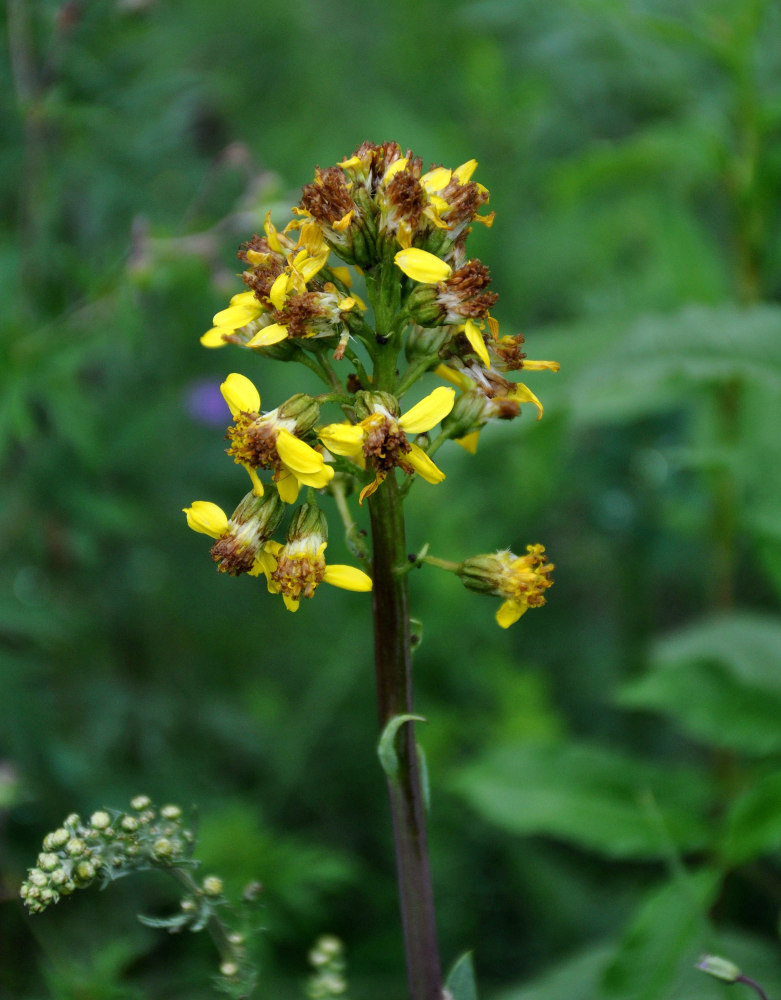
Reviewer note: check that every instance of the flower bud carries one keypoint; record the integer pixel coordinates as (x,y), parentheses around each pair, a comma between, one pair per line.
(170,812)
(163,848)
(141,802)
(75,847)
(367,403)
(303,409)
(84,871)
(424,343)
(424,306)
(100,820)
(468,414)
(308,520)
(48,861)
(129,824)
(212,885)
(57,838)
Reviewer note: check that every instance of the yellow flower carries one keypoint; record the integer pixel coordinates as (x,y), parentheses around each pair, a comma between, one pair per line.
(300,566)
(381,437)
(270,441)
(500,399)
(241,538)
(296,568)
(521,580)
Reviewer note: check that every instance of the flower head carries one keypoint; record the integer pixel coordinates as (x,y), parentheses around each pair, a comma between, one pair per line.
(273,440)
(240,538)
(298,567)
(380,438)
(521,580)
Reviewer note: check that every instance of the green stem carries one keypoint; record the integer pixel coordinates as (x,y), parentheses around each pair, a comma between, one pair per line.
(446,564)
(394,695)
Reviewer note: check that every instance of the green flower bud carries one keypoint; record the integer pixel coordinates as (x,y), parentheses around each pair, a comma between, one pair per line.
(424,305)
(85,871)
(468,414)
(59,877)
(75,847)
(73,820)
(212,885)
(100,820)
(171,811)
(366,403)
(307,520)
(48,861)
(425,343)
(163,848)
(303,409)
(57,838)
(140,802)
(265,512)
(229,969)
(129,824)
(37,878)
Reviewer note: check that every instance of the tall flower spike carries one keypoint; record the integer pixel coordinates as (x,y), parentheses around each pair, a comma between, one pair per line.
(273,440)
(380,438)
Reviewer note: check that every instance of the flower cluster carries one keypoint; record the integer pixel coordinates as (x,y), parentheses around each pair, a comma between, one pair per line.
(379,222)
(107,845)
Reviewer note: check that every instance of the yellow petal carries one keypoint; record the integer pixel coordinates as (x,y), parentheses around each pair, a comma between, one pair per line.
(271,234)
(257,485)
(475,338)
(531,366)
(291,603)
(510,612)
(256,257)
(278,290)
(287,487)
(436,179)
(244,299)
(457,378)
(269,335)
(524,394)
(394,168)
(429,411)
(234,317)
(348,578)
(469,442)
(297,455)
(214,337)
(420,265)
(342,439)
(266,563)
(423,465)
(317,480)
(310,266)
(464,173)
(240,394)
(342,224)
(206,518)
(342,274)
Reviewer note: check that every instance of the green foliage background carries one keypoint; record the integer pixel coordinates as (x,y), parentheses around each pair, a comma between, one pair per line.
(606,776)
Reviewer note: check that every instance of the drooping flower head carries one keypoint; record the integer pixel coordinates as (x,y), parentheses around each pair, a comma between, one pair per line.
(379,439)
(241,537)
(520,580)
(298,567)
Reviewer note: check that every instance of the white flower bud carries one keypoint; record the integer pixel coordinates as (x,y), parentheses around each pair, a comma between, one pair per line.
(100,820)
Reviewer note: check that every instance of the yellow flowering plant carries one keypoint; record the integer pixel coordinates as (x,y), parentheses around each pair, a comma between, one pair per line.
(375,221)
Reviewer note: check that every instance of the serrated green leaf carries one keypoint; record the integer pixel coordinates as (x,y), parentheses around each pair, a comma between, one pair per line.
(460,982)
(601,800)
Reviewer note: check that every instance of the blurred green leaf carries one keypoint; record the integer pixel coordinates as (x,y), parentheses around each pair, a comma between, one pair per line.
(664,359)
(663,939)
(461,979)
(753,826)
(601,800)
(719,680)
